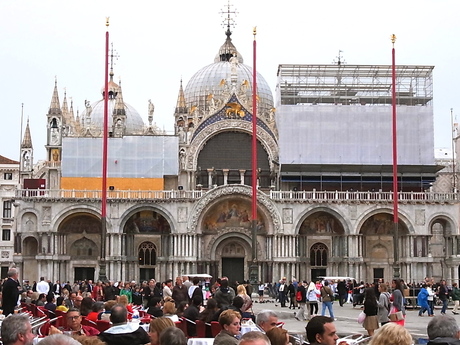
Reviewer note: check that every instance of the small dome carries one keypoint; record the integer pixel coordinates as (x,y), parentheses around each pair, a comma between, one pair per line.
(134,123)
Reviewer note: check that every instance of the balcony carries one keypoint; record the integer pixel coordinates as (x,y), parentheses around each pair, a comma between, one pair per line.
(292,196)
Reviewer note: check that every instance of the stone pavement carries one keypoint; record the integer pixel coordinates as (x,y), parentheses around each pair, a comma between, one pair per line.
(346,319)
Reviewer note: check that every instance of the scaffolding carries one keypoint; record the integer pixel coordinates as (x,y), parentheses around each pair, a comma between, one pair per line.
(353,84)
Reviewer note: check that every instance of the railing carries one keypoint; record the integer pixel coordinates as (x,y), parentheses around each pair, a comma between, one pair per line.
(363,196)
(118,194)
(274,195)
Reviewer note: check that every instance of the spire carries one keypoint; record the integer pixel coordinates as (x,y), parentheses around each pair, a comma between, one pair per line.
(27,140)
(119,104)
(65,109)
(181,106)
(55,108)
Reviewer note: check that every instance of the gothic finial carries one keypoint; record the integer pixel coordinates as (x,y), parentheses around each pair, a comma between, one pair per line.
(229,21)
(339,60)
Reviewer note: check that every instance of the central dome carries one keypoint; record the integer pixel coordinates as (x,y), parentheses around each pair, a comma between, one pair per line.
(212,78)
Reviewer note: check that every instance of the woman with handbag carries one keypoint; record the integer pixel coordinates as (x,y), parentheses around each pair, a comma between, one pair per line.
(397,311)
(371,322)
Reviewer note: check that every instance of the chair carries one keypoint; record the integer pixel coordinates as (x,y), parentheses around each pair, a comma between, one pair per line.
(200,329)
(182,326)
(87,322)
(215,328)
(103,325)
(44,329)
(62,322)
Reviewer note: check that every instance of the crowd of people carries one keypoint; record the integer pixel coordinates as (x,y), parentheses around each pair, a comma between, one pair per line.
(228,305)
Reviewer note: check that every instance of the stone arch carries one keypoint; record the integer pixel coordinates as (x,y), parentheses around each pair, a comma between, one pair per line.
(379,252)
(80,222)
(147,254)
(267,141)
(340,222)
(84,248)
(29,246)
(217,243)
(232,212)
(403,220)
(440,220)
(381,223)
(147,219)
(319,255)
(71,211)
(29,222)
(265,205)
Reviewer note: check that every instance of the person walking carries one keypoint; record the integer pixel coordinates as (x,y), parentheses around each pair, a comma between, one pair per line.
(327,296)
(455,298)
(422,301)
(302,294)
(312,297)
(443,294)
(384,304)
(398,300)
(371,322)
(429,288)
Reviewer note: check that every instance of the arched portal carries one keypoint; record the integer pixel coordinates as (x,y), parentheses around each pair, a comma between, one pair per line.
(319,256)
(234,254)
(147,259)
(226,159)
(378,244)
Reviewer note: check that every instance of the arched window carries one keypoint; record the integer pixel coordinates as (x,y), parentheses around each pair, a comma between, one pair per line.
(318,255)
(147,254)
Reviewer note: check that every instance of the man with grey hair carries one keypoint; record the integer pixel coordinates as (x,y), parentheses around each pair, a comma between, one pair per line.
(16,330)
(59,339)
(10,292)
(266,320)
(443,330)
(254,338)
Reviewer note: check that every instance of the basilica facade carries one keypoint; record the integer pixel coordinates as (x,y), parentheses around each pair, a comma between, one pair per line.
(181,204)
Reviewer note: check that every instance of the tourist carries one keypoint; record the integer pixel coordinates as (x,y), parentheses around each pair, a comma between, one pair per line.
(371,322)
(278,336)
(327,297)
(157,326)
(230,321)
(393,334)
(16,330)
(321,331)
(173,336)
(169,311)
(384,304)
(397,300)
(422,301)
(266,320)
(312,297)
(455,298)
(443,330)
(10,292)
(254,338)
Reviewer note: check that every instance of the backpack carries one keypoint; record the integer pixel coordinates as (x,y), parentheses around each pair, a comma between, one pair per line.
(298,296)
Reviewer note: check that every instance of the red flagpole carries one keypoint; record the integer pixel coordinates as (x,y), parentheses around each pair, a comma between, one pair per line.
(395,161)
(254,269)
(102,267)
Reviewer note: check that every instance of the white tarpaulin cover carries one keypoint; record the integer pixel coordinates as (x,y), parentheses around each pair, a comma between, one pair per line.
(354,134)
(128,157)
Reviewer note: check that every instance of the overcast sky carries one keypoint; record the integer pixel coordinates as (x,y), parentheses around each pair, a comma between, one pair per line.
(160,42)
